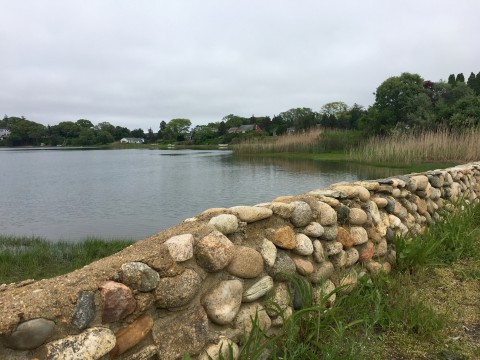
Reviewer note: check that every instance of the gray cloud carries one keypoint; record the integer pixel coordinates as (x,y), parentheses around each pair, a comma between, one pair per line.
(135,63)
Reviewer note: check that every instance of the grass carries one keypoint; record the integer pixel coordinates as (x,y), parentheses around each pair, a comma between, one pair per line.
(426,309)
(35,258)
(441,145)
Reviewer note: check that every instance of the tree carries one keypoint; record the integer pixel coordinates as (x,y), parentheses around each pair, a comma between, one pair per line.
(178,128)
(451,79)
(83,123)
(300,118)
(460,78)
(138,133)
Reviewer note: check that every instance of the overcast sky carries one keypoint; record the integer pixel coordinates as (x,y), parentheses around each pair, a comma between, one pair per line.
(136,63)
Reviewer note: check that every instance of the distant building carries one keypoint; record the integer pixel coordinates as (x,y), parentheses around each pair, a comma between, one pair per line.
(290,130)
(4,133)
(132,140)
(244,128)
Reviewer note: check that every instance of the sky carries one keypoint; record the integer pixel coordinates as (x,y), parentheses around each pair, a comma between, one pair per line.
(136,63)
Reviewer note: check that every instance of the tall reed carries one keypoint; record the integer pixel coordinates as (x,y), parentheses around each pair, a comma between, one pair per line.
(441,145)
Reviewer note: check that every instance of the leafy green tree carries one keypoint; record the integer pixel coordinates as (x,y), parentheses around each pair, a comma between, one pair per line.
(178,128)
(451,79)
(300,118)
(137,133)
(460,78)
(83,123)
(120,133)
(222,128)
(234,121)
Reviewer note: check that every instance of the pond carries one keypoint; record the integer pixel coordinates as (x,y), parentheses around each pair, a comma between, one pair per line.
(131,194)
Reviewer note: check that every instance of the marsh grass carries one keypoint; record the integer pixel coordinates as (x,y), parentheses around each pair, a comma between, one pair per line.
(441,145)
(35,258)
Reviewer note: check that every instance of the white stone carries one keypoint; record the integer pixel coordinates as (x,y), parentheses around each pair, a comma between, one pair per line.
(268,252)
(221,350)
(314,229)
(359,235)
(223,302)
(259,289)
(328,216)
(318,253)
(180,247)
(303,245)
(251,213)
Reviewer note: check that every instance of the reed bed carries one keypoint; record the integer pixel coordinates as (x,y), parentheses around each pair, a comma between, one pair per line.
(441,145)
(293,143)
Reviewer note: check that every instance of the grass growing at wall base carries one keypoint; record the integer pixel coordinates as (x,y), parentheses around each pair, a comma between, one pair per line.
(36,258)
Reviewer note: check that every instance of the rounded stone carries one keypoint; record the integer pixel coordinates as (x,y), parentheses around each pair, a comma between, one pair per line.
(283,267)
(357,216)
(365,252)
(282,209)
(332,247)
(345,238)
(246,315)
(281,297)
(259,289)
(330,233)
(118,301)
(304,267)
(318,252)
(381,248)
(303,245)
(178,290)
(363,194)
(380,202)
(302,214)
(30,334)
(313,229)
(359,235)
(129,336)
(322,272)
(347,190)
(180,247)
(246,263)
(223,302)
(348,281)
(418,182)
(251,213)
(284,238)
(352,257)
(324,294)
(225,223)
(224,349)
(139,276)
(214,252)
(91,344)
(84,311)
(339,260)
(327,215)
(268,252)
(342,213)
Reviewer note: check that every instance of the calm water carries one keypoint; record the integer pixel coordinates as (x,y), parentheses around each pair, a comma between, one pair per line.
(72,194)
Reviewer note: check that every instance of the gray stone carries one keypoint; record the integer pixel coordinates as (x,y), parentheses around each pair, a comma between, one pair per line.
(352,257)
(30,334)
(214,252)
(320,294)
(225,223)
(357,217)
(342,213)
(302,215)
(259,289)
(303,245)
(146,353)
(281,297)
(91,344)
(313,229)
(181,247)
(318,252)
(223,349)
(251,213)
(248,313)
(179,290)
(339,260)
(283,267)
(177,335)
(390,236)
(139,276)
(84,311)
(330,233)
(223,302)
(322,272)
(283,210)
(302,289)
(332,247)
(327,215)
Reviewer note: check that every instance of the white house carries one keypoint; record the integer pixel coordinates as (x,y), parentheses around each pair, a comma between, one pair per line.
(132,140)
(4,133)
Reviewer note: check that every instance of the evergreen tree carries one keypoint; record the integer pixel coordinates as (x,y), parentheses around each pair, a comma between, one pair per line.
(460,78)
(471,80)
(451,79)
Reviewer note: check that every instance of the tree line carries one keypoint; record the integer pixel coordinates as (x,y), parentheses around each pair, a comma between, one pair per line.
(402,103)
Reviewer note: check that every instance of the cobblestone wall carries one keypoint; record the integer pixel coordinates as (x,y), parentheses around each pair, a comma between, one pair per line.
(195,287)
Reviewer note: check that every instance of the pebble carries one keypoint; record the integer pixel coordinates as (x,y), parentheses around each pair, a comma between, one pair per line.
(118,301)
(246,263)
(303,245)
(352,257)
(181,247)
(380,202)
(348,191)
(214,252)
(147,353)
(283,267)
(372,209)
(223,302)
(284,238)
(359,235)
(318,253)
(139,276)
(257,290)
(268,252)
(345,238)
(302,214)
(179,290)
(363,194)
(131,335)
(314,229)
(84,311)
(327,215)
(162,261)
(330,233)
(342,213)
(91,344)
(30,334)
(223,349)
(251,214)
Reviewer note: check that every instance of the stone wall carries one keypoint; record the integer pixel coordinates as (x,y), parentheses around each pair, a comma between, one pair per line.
(196,286)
